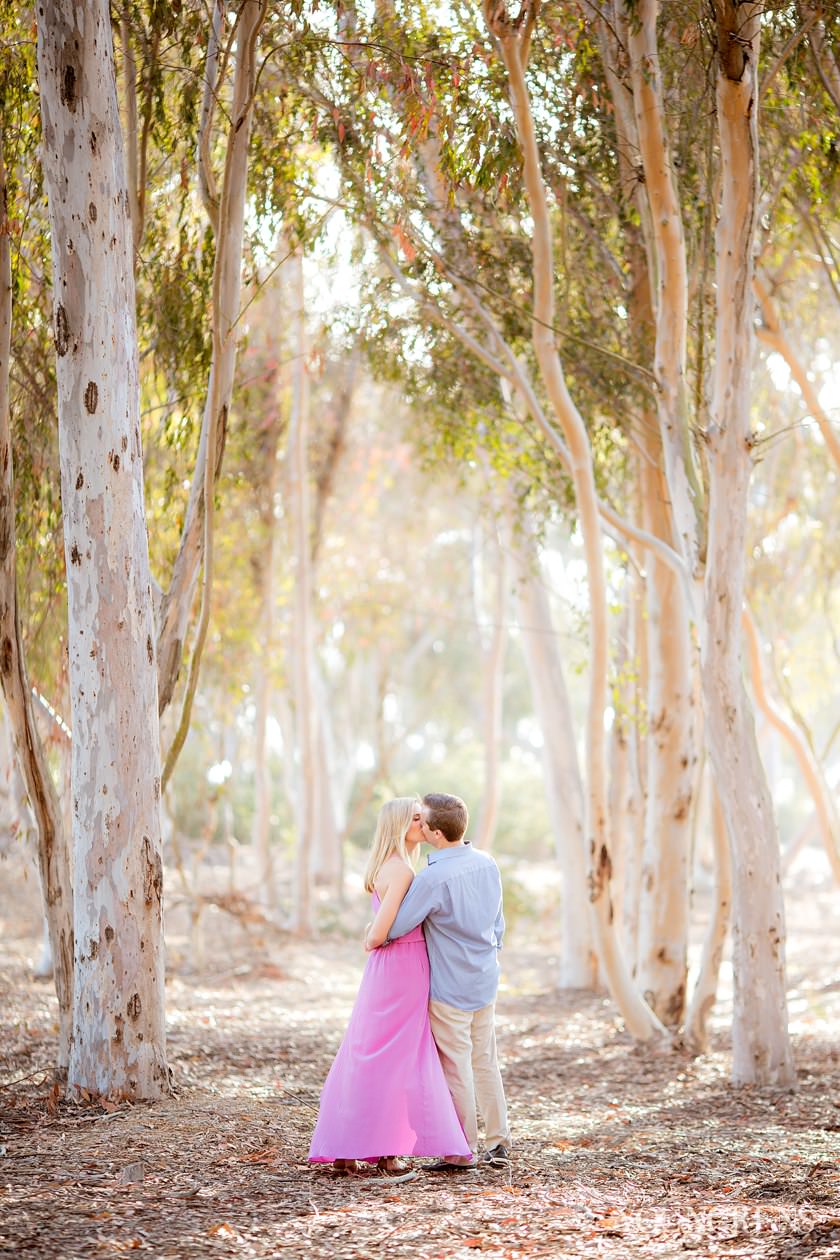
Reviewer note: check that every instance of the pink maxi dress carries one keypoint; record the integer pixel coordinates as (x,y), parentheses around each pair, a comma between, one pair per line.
(386,1093)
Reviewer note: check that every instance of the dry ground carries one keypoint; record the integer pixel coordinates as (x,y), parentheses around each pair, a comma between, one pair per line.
(620,1152)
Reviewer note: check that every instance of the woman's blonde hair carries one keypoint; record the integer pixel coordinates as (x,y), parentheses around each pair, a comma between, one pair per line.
(391,826)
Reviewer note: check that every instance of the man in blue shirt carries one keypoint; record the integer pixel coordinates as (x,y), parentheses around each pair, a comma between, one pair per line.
(458,899)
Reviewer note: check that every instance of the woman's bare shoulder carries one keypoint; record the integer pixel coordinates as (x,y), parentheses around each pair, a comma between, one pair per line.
(394,870)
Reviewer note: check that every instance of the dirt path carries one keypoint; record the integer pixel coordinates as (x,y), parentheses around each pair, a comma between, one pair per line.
(619,1152)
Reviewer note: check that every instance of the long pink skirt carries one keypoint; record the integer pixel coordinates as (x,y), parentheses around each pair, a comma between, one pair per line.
(386,1093)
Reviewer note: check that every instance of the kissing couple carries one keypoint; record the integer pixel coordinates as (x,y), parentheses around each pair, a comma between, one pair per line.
(418,1061)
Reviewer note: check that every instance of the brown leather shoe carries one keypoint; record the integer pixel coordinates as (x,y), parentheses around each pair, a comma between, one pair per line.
(496,1157)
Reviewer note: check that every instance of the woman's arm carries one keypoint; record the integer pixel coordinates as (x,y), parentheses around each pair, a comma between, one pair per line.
(397,888)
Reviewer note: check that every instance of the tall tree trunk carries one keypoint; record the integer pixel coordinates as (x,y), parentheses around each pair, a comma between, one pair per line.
(626,794)
(666,250)
(53,849)
(118,1015)
(671,762)
(303,644)
(672,498)
(563,783)
(261,836)
(492,672)
(705,990)
(177,603)
(327,858)
(514,41)
(761,1044)
(328,850)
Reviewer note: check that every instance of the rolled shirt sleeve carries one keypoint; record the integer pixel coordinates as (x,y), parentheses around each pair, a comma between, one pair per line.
(500,926)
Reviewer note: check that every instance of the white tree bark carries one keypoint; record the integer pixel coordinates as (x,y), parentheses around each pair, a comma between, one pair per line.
(514,41)
(332,795)
(563,783)
(626,794)
(493,566)
(670,280)
(761,1044)
(261,837)
(303,641)
(705,990)
(326,854)
(671,765)
(118,1045)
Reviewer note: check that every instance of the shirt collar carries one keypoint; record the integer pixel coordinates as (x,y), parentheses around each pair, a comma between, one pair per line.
(438,855)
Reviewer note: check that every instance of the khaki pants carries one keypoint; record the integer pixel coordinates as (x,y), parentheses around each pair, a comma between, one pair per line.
(466,1042)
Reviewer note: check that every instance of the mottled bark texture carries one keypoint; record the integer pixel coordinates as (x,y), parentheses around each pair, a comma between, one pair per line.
(761,1051)
(118,1045)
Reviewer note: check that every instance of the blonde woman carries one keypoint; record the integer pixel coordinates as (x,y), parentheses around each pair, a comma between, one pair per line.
(386,1095)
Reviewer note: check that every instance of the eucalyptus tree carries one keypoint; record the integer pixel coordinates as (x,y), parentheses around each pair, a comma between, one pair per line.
(632,41)
(761,1044)
(118,1043)
(450,263)
(436,246)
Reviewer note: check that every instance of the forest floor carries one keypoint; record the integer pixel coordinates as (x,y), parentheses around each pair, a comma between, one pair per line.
(619,1151)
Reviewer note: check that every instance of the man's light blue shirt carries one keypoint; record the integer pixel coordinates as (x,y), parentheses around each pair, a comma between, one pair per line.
(458,899)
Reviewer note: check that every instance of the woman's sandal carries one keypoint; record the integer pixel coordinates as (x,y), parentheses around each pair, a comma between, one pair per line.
(392,1165)
(346,1165)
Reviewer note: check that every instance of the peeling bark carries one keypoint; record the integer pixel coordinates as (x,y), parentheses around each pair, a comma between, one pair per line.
(760,1039)
(118,1045)
(671,764)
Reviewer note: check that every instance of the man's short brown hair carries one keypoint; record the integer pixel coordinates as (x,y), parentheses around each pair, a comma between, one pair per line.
(447,814)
